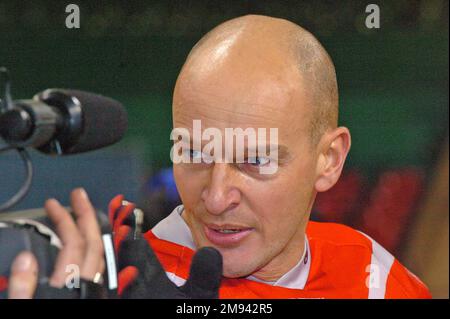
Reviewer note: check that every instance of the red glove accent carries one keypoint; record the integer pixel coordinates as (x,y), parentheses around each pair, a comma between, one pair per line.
(118,212)
(123,213)
(126,277)
(113,207)
(119,236)
(128,274)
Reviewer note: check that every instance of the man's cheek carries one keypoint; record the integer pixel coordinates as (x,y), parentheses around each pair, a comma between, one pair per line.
(187,193)
(254,246)
(240,262)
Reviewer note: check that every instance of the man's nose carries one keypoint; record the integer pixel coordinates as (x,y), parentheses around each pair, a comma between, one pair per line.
(221,194)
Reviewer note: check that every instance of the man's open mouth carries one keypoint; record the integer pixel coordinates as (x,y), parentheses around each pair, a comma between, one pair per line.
(228,231)
(226,235)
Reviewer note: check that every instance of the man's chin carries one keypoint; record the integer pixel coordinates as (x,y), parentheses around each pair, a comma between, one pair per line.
(235,275)
(231,258)
(237,271)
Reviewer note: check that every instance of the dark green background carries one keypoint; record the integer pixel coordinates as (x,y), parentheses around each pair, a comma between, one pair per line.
(393,81)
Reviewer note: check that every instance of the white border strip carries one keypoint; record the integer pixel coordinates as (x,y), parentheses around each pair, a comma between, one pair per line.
(380,266)
(110,261)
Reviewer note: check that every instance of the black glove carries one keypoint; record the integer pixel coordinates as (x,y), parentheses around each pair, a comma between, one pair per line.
(142,276)
(140,273)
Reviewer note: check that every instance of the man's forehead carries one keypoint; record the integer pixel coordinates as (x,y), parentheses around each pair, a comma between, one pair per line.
(247,75)
(259,103)
(228,113)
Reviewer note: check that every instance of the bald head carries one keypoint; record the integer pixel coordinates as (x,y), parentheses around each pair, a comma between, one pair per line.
(284,50)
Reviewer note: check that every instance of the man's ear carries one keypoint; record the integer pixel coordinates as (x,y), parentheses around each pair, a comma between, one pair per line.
(334,147)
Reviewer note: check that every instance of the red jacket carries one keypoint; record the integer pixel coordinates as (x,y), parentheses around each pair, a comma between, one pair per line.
(339,262)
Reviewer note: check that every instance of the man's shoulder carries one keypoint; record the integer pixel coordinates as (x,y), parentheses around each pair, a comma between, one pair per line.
(345,248)
(339,258)
(337,235)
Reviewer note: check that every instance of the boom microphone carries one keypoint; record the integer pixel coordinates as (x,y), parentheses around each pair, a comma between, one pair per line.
(63,121)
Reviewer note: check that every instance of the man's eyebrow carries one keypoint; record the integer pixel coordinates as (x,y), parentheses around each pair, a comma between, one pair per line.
(283,151)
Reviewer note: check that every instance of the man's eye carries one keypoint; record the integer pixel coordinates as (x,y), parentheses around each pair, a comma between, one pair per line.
(258,161)
(195,154)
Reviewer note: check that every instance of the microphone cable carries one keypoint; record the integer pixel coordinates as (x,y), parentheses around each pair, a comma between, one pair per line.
(6,104)
(22,192)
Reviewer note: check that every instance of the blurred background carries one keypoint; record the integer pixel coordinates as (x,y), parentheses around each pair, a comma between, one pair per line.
(393,97)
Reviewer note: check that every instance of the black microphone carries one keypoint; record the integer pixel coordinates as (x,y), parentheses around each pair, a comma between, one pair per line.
(205,274)
(63,121)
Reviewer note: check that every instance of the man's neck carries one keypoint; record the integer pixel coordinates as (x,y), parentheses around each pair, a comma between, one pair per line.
(283,263)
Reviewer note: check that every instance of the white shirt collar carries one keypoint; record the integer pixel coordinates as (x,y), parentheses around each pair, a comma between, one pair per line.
(173,228)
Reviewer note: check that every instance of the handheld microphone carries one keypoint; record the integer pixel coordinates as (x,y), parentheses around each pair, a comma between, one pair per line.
(63,121)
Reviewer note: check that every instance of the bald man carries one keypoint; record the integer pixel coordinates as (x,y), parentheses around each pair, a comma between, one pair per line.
(260,72)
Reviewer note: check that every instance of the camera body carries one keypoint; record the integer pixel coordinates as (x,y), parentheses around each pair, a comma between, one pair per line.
(31,230)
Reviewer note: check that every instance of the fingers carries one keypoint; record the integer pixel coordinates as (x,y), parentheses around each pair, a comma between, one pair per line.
(90,231)
(82,242)
(23,279)
(73,243)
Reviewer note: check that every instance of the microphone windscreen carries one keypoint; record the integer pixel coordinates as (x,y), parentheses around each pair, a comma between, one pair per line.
(205,273)
(103,120)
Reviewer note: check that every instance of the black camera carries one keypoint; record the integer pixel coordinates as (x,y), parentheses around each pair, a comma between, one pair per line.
(57,122)
(31,230)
